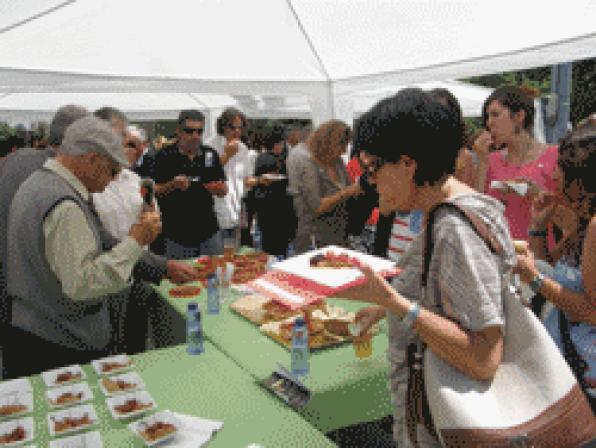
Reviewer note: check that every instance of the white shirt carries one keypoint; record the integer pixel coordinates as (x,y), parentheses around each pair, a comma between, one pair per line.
(120,204)
(239,167)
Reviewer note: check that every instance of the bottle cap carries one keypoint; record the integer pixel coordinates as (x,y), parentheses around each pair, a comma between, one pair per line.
(192,306)
(299,321)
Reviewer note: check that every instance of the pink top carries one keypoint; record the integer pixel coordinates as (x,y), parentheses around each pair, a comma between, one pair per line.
(517,208)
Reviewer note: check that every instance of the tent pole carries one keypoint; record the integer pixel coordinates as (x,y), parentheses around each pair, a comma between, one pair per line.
(561,89)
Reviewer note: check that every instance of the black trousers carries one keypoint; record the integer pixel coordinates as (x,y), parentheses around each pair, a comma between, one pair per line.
(26,354)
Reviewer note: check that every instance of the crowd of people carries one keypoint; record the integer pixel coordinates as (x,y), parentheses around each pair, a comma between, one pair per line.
(80,244)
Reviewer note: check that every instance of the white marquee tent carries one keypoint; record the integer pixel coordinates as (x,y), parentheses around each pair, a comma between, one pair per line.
(325,50)
(27,108)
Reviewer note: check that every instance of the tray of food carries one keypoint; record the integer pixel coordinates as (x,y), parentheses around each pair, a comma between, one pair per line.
(334,268)
(16,404)
(88,440)
(246,266)
(130,405)
(156,428)
(112,365)
(118,384)
(70,395)
(16,432)
(72,420)
(63,375)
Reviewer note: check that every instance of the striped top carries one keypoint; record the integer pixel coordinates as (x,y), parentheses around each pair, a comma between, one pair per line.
(403,231)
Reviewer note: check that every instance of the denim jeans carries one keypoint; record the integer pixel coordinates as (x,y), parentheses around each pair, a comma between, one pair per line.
(211,246)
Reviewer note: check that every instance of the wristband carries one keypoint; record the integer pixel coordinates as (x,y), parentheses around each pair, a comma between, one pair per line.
(539,233)
(411,316)
(536,283)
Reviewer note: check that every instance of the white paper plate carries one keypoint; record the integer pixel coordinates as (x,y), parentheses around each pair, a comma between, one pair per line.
(98,365)
(50,378)
(272,176)
(141,395)
(78,388)
(76,412)
(333,278)
(11,425)
(87,440)
(130,377)
(17,398)
(18,385)
(165,417)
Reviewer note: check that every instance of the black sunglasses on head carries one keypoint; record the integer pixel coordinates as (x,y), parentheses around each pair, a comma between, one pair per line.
(191,131)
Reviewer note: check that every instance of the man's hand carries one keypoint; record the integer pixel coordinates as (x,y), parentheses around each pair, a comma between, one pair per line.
(179,272)
(542,210)
(146,229)
(217,188)
(181,182)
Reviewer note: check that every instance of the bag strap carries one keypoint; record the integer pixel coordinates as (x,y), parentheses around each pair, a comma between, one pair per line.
(576,362)
(479,226)
(417,406)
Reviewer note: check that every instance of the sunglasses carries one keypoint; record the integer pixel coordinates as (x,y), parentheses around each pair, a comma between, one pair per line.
(131,145)
(191,131)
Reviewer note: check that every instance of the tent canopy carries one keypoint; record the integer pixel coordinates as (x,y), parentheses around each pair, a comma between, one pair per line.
(324,49)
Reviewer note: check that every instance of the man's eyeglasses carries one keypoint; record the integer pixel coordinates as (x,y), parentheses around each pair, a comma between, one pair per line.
(232,127)
(191,131)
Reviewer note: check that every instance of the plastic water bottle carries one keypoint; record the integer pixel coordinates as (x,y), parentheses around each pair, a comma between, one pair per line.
(194,329)
(257,239)
(290,251)
(300,347)
(212,294)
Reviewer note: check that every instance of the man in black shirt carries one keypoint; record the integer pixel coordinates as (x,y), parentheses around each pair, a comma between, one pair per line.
(187,176)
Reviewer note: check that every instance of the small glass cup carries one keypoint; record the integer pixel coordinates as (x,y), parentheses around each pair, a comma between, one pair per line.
(363,345)
(229,244)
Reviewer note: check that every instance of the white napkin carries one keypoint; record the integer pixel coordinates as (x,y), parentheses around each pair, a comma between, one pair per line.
(194,432)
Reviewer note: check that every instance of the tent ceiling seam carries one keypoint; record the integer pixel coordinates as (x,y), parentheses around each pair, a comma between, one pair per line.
(36,16)
(469,60)
(198,101)
(308,39)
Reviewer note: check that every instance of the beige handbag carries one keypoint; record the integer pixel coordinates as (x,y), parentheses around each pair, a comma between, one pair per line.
(533,400)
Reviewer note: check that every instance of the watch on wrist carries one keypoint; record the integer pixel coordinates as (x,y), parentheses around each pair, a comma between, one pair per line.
(534,232)
(536,283)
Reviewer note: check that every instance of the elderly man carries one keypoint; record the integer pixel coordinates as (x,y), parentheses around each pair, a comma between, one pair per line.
(188,175)
(58,272)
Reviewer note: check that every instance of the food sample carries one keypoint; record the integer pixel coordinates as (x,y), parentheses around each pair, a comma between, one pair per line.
(11,409)
(71,423)
(67,397)
(185,291)
(68,376)
(16,435)
(157,430)
(332,261)
(520,246)
(117,385)
(132,405)
(108,366)
(247,267)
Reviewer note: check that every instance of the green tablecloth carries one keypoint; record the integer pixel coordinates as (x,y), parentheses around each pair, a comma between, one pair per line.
(209,385)
(346,390)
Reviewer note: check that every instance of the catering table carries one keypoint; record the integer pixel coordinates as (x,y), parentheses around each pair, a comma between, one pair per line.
(210,386)
(345,390)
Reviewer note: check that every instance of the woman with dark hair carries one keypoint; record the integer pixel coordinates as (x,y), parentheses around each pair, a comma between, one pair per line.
(572,288)
(273,204)
(415,142)
(508,115)
(326,185)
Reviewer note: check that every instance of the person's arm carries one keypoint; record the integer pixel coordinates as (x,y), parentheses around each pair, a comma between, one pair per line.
(482,147)
(71,252)
(580,307)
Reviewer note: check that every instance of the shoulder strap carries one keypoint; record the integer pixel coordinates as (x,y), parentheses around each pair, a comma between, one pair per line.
(479,226)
